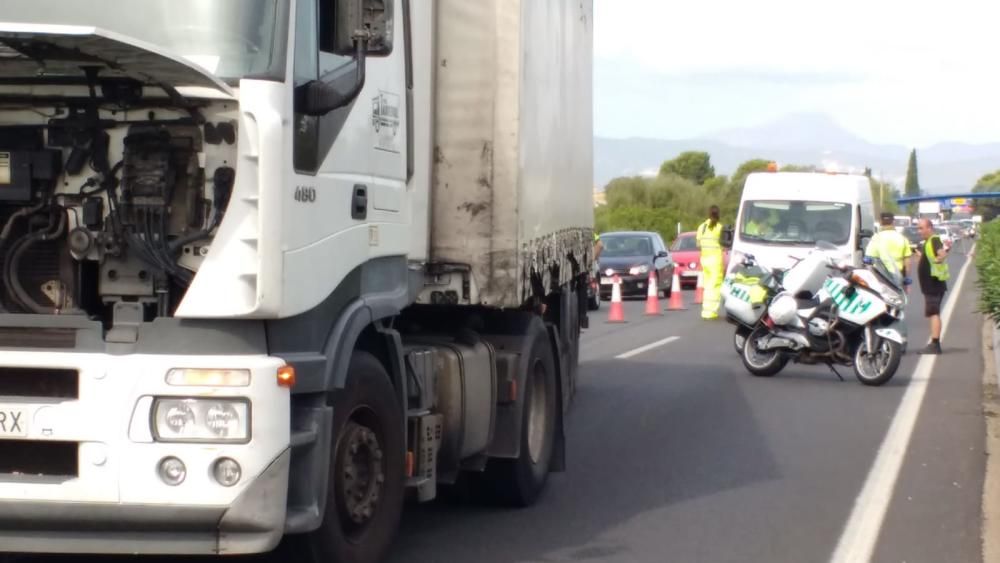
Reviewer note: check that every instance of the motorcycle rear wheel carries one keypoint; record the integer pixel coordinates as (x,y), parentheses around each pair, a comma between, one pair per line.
(761,363)
(740,338)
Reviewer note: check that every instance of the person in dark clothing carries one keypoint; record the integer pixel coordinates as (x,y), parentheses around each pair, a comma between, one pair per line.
(932,270)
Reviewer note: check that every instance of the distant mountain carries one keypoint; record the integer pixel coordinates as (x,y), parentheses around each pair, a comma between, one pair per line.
(802,139)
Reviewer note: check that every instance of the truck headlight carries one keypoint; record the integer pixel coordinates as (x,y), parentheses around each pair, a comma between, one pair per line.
(201,420)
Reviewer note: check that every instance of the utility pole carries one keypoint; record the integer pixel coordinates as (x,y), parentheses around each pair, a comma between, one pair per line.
(881,192)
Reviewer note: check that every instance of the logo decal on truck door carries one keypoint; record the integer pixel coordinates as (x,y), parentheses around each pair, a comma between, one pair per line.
(385,121)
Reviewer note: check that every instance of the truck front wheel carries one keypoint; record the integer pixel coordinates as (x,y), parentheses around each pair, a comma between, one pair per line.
(366,487)
(519,482)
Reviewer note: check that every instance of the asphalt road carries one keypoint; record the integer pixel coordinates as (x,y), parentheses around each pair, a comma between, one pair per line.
(677,454)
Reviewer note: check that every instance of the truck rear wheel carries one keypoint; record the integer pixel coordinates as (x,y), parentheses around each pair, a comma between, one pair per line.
(519,482)
(366,482)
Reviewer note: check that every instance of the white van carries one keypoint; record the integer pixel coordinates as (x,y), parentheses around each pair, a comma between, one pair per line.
(901,222)
(783,214)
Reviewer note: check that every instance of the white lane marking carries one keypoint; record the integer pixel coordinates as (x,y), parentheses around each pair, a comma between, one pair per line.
(861,532)
(646,348)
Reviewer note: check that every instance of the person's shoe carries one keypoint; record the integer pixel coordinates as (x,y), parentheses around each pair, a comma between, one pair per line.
(934,348)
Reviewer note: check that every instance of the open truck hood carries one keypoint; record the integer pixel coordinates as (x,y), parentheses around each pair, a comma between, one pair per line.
(38,50)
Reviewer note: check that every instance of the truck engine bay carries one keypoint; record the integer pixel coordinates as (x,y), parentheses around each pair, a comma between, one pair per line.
(110,196)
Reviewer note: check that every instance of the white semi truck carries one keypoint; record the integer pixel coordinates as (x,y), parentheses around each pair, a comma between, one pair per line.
(269,266)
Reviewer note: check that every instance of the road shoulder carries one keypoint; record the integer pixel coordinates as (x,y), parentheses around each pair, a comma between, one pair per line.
(991,412)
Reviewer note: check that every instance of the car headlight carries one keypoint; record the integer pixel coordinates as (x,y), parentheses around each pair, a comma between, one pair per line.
(224,421)
(636,270)
(693,265)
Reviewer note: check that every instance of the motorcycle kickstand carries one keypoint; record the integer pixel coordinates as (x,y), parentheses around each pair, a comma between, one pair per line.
(835,372)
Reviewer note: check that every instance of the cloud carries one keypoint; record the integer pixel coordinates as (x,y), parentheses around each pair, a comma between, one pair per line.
(892,70)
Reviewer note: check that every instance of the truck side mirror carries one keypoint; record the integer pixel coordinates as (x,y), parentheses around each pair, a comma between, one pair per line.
(368,20)
(362,28)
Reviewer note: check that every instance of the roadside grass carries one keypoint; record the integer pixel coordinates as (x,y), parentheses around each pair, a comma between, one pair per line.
(988,265)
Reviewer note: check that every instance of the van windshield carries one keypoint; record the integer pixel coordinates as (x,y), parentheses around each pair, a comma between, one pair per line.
(796,222)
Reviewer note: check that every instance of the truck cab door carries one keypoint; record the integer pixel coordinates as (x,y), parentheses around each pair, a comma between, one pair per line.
(345,199)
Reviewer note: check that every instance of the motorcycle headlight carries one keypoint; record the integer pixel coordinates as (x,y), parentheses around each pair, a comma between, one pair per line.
(636,270)
(893,299)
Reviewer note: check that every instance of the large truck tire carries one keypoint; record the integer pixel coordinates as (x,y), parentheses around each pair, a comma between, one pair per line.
(520,481)
(367,470)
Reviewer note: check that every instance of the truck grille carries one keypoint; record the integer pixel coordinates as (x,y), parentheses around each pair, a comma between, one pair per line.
(22,458)
(39,383)
(22,337)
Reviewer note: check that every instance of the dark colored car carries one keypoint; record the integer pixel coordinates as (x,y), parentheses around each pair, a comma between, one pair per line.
(632,256)
(686,255)
(913,235)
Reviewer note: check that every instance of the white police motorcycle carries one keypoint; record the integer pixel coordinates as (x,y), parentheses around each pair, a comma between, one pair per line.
(820,312)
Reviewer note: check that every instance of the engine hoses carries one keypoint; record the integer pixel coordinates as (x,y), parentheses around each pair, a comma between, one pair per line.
(16,290)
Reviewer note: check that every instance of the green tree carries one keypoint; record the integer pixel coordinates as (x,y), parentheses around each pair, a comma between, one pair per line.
(799,168)
(622,192)
(691,165)
(749,167)
(912,186)
(988,208)
(884,195)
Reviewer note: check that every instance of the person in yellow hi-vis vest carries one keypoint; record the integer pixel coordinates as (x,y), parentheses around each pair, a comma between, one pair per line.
(889,245)
(709,237)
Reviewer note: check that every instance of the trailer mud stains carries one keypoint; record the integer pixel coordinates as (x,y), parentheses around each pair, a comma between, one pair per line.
(474,209)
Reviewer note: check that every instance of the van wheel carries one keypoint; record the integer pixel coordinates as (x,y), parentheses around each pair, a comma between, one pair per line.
(519,482)
(366,482)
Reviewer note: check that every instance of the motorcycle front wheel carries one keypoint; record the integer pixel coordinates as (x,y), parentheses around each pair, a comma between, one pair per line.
(877,368)
(761,363)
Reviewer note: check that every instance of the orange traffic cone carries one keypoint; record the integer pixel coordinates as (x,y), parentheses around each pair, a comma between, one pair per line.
(676,301)
(616,313)
(699,290)
(652,297)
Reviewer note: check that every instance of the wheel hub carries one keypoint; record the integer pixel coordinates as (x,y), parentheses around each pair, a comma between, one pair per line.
(537,415)
(361,475)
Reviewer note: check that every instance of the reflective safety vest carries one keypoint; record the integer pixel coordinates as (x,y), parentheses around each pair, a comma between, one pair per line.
(888,244)
(710,239)
(938,271)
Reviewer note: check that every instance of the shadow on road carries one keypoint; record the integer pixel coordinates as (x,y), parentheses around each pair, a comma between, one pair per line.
(641,437)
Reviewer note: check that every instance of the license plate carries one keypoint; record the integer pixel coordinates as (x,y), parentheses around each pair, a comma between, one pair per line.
(607,281)
(13,422)
(689,274)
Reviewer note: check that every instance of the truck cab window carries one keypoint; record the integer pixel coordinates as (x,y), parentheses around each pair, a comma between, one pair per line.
(313,57)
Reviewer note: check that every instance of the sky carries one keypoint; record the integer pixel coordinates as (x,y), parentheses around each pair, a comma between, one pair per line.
(907,72)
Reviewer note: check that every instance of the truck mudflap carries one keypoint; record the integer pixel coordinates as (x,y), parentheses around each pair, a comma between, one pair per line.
(253,523)
(142,453)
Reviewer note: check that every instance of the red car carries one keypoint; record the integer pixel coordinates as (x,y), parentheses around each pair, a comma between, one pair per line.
(688,259)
